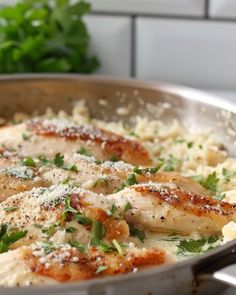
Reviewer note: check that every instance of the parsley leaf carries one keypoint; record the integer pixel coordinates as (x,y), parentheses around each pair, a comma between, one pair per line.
(45,36)
(151,170)
(136,232)
(210,182)
(98,232)
(196,246)
(101,181)
(70,229)
(127,207)
(28,161)
(219,196)
(101,268)
(48,247)
(228,174)
(68,208)
(82,219)
(58,160)
(84,151)
(112,211)
(79,246)
(7,239)
(10,209)
(172,164)
(130,180)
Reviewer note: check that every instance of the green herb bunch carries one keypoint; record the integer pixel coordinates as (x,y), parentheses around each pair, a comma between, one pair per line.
(45,36)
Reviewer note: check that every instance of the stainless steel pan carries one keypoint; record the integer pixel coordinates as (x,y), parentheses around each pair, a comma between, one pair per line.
(212,272)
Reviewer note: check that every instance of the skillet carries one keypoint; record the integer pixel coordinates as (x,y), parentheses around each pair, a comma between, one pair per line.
(211,272)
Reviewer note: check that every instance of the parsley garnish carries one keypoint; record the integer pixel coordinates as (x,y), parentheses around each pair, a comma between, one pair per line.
(127,207)
(228,174)
(118,247)
(101,181)
(130,180)
(196,246)
(151,170)
(78,246)
(98,232)
(99,162)
(26,136)
(219,196)
(68,208)
(101,268)
(172,164)
(112,211)
(28,161)
(49,231)
(58,160)
(114,158)
(210,182)
(10,209)
(114,247)
(7,239)
(190,144)
(48,247)
(82,219)
(84,151)
(70,229)
(136,232)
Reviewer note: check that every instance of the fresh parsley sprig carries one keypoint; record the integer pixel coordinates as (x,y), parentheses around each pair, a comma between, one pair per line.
(7,237)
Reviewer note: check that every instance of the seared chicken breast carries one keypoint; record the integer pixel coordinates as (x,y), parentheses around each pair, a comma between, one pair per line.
(50,136)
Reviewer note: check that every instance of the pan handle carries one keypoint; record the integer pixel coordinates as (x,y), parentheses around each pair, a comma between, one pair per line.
(226,275)
(220,267)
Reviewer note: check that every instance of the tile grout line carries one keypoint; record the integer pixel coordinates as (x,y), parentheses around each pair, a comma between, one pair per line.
(133,47)
(207,3)
(204,18)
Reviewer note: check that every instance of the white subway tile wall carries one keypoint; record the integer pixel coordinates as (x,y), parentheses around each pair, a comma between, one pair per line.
(222,8)
(111,41)
(190,42)
(172,7)
(194,53)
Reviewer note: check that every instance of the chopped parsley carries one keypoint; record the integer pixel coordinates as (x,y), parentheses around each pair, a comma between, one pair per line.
(43,160)
(112,211)
(190,144)
(228,174)
(79,246)
(70,229)
(26,136)
(99,162)
(8,238)
(136,232)
(101,181)
(219,196)
(130,180)
(28,161)
(84,151)
(114,247)
(68,208)
(210,182)
(82,219)
(49,231)
(114,158)
(127,207)
(10,209)
(48,247)
(98,232)
(58,160)
(151,170)
(101,268)
(171,164)
(186,247)
(118,247)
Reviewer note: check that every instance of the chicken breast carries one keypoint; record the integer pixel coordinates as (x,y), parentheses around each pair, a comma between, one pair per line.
(48,137)
(80,170)
(164,207)
(34,265)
